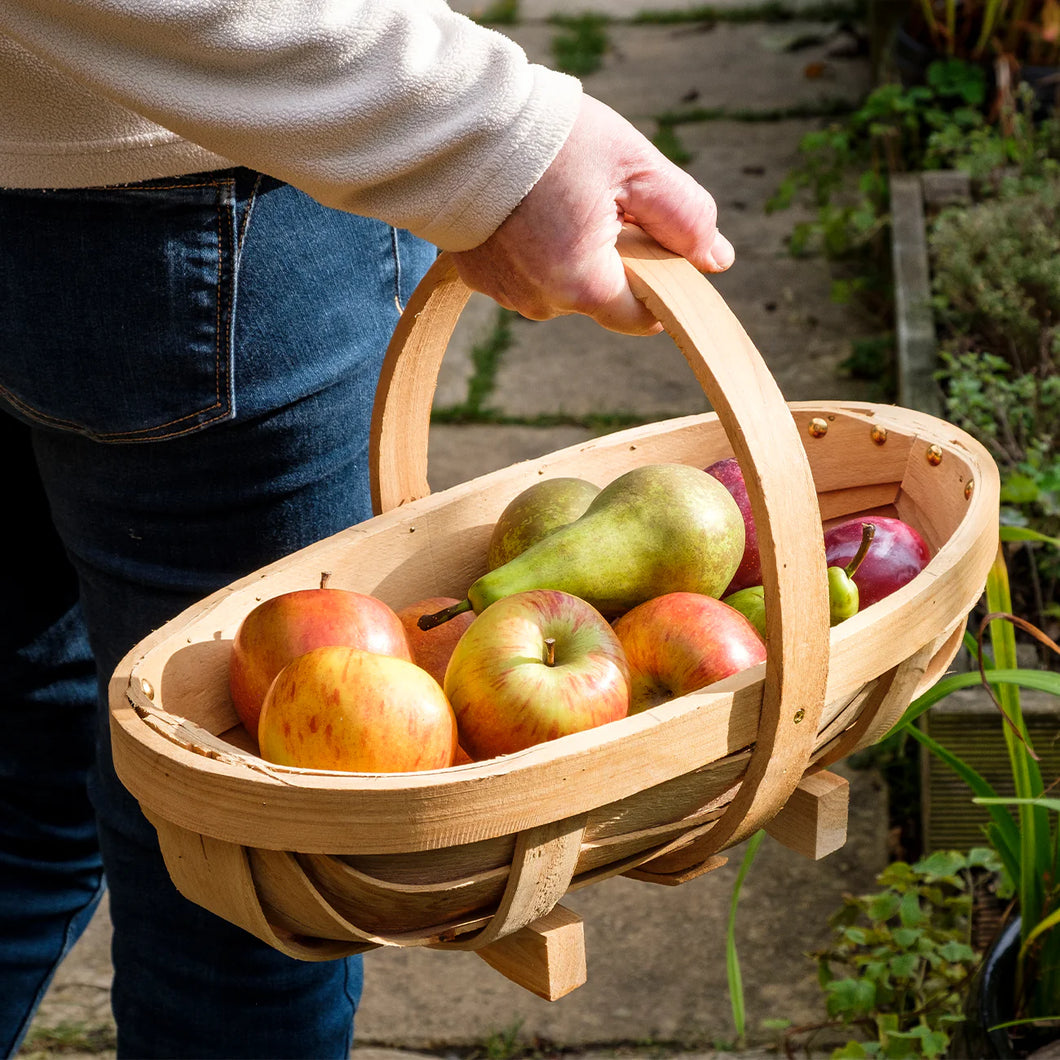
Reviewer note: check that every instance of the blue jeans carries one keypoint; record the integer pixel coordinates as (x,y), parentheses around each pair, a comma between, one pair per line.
(187,369)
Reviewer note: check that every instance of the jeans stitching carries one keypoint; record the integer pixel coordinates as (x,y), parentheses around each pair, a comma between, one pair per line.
(220,373)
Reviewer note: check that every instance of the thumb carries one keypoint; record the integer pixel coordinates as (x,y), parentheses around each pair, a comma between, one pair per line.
(680,215)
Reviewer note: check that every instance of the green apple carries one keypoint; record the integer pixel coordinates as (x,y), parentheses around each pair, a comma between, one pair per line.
(751,603)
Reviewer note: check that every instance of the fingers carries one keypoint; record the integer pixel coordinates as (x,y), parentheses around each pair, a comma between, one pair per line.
(556,252)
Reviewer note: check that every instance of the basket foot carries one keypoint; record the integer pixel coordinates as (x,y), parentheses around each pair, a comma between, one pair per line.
(546,957)
(813,822)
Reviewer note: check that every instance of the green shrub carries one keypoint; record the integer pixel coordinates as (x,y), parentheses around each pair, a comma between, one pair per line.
(900,958)
(996,289)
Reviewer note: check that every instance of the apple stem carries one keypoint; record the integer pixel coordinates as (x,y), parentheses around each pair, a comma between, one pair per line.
(868,532)
(426,622)
(550,651)
(324,575)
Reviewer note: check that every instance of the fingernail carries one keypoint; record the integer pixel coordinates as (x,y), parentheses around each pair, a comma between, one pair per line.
(722,252)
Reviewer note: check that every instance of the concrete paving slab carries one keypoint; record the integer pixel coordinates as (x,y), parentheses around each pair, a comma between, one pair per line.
(650,70)
(571,365)
(742,164)
(580,369)
(618,10)
(458,454)
(476,325)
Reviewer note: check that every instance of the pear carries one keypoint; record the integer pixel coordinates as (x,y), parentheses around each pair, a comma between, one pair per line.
(657,529)
(536,512)
(843,595)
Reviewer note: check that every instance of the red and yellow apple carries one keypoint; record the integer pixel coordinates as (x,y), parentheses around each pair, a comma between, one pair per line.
(344,708)
(431,648)
(283,627)
(680,642)
(534,666)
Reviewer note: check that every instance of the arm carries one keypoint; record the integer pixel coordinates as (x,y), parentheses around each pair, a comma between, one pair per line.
(401,110)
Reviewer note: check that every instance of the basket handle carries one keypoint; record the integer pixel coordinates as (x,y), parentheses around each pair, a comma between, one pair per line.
(765,440)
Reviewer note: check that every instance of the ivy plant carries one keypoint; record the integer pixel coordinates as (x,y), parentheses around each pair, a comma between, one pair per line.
(900,959)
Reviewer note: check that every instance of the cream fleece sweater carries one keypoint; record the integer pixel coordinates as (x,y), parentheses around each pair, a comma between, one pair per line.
(401,110)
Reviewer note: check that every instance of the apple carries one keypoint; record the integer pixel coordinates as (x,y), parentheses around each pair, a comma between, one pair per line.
(283,627)
(897,554)
(343,708)
(536,512)
(431,648)
(751,603)
(749,572)
(534,666)
(679,642)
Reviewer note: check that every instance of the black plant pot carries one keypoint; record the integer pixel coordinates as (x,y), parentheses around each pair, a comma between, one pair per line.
(990,1001)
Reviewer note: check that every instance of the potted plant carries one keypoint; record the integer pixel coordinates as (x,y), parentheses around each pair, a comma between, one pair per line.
(1012,40)
(1023,1001)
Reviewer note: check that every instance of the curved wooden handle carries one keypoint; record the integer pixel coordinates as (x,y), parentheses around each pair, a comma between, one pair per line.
(766,443)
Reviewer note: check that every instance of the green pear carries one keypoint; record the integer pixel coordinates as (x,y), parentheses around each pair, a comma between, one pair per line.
(843,596)
(751,603)
(535,513)
(657,529)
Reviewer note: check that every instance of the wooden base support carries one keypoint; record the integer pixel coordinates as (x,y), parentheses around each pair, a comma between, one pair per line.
(673,879)
(813,822)
(547,957)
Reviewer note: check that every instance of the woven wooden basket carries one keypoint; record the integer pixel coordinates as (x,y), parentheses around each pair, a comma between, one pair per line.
(320,864)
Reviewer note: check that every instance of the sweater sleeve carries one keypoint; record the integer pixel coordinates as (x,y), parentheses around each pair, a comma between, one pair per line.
(401,110)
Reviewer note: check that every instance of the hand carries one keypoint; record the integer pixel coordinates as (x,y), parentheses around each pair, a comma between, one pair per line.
(555,253)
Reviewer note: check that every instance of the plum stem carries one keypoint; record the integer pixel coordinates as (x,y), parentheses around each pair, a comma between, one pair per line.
(550,651)
(426,622)
(868,532)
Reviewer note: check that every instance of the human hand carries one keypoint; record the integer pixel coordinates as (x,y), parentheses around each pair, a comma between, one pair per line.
(555,253)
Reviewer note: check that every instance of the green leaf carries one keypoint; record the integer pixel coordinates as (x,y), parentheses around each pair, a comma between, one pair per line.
(904,966)
(906,937)
(909,911)
(852,997)
(851,1051)
(882,906)
(956,952)
(1023,533)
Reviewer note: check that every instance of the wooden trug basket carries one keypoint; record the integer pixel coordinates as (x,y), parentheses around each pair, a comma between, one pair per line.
(321,864)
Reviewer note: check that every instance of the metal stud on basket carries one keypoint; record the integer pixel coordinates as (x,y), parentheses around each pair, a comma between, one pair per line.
(321,864)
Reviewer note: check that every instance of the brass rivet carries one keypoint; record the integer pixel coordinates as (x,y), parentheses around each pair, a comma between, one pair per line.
(934,454)
(146,688)
(879,435)
(969,489)
(818,427)
(799,715)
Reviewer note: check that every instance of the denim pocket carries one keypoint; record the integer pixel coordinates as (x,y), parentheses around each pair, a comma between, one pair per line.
(117,306)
